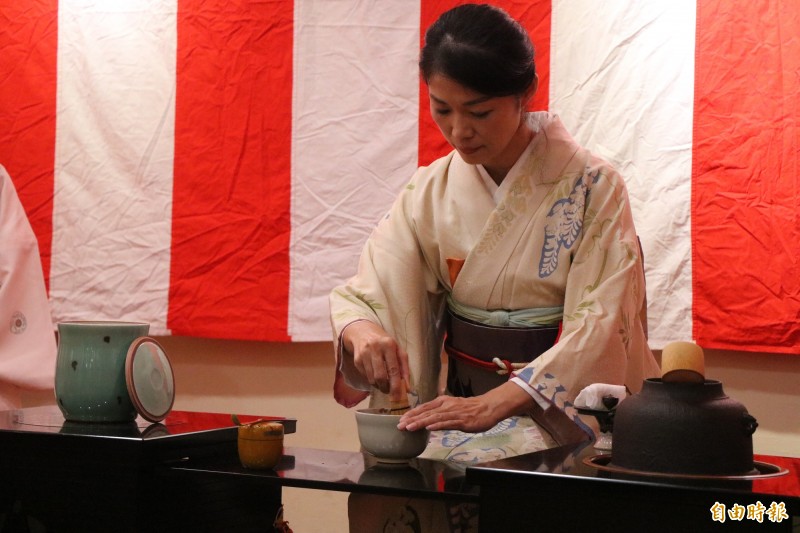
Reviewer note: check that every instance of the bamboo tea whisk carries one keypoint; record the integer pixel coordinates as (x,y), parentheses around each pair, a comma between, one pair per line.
(398,404)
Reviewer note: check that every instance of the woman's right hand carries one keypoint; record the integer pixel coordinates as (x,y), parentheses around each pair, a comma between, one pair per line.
(378,357)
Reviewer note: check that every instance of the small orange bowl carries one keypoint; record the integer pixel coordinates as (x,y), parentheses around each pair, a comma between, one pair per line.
(260,444)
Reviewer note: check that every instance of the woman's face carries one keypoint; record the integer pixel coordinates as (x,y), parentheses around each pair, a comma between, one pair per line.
(485,130)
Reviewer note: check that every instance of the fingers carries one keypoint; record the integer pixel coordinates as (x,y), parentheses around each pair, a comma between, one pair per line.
(380,359)
(397,386)
(434,420)
(445,412)
(435,414)
(387,371)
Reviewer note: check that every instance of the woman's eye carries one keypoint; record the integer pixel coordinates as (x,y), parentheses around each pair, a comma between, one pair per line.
(481,114)
(442,111)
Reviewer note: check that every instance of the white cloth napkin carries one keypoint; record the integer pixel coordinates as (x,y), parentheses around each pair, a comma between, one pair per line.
(592,396)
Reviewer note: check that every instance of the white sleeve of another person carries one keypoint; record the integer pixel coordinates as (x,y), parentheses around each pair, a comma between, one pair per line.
(27,338)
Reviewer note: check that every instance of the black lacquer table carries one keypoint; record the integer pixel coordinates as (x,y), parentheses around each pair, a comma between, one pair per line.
(343,471)
(180,475)
(184,475)
(561,489)
(79,477)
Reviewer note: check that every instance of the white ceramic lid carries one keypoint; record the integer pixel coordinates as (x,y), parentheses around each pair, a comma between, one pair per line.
(151,383)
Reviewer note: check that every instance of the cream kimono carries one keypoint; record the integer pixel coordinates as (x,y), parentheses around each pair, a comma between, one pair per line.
(562,235)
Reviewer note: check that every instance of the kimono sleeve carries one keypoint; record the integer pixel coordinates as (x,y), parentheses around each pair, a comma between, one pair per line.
(27,334)
(395,288)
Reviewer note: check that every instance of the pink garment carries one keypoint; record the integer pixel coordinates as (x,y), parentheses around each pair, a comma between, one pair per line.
(27,334)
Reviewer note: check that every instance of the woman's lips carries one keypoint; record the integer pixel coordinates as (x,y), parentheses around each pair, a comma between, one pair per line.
(469,151)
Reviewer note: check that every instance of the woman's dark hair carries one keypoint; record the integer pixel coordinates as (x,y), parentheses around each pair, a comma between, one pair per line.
(482,48)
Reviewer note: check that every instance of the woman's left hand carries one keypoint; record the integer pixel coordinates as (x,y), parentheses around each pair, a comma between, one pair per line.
(473,415)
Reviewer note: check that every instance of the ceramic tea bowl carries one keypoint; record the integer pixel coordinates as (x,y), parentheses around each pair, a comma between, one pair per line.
(379,436)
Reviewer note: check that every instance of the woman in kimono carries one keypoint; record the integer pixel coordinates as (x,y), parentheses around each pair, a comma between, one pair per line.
(517,252)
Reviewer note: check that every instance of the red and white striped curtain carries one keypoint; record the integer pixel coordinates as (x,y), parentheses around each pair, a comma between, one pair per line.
(213,167)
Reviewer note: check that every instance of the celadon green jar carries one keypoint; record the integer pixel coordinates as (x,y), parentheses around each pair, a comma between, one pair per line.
(90,370)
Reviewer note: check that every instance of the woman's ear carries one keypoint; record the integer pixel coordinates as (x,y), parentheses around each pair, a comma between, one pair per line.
(530,91)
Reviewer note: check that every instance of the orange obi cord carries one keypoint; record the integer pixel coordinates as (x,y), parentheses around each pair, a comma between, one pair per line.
(497,365)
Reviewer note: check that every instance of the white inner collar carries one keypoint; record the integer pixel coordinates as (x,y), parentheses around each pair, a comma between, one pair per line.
(498,192)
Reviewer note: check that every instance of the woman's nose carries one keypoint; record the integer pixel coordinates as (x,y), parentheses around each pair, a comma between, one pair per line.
(462,127)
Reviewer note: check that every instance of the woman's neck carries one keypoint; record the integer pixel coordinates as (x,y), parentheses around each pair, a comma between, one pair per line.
(516,147)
